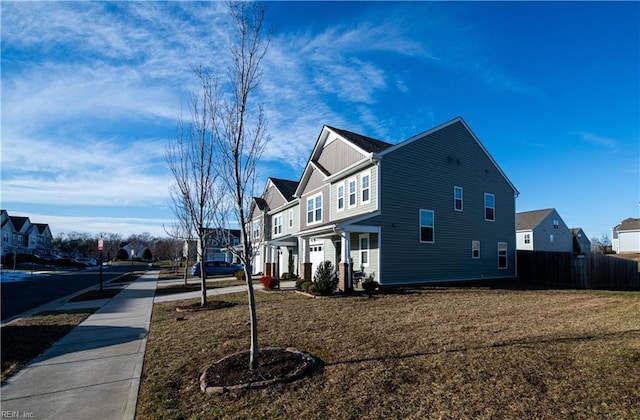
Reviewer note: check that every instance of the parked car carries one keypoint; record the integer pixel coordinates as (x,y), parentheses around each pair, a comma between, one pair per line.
(216,268)
(89,262)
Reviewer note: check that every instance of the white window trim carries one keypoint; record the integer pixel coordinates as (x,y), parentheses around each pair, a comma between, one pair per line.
(485,207)
(368,175)
(277,223)
(455,188)
(432,227)
(360,250)
(314,209)
(506,256)
(473,245)
(256,229)
(355,193)
(290,218)
(344,198)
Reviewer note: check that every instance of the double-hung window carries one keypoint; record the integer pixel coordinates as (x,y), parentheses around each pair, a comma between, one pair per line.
(427,226)
(277,225)
(475,249)
(364,250)
(366,188)
(489,207)
(527,238)
(314,209)
(352,193)
(256,229)
(502,255)
(290,218)
(340,196)
(457,198)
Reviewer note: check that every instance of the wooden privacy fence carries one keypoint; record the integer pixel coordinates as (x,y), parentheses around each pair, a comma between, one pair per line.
(564,269)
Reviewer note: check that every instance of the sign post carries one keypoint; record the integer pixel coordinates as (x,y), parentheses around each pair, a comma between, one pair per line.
(100,247)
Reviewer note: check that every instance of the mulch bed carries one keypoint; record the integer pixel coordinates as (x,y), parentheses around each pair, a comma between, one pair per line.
(232,373)
(210,306)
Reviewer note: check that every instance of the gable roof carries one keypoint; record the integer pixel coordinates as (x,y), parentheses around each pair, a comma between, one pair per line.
(42,227)
(261,203)
(530,219)
(286,187)
(457,120)
(628,224)
(18,221)
(368,144)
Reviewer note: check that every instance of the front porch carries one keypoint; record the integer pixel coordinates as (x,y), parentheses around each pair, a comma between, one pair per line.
(353,250)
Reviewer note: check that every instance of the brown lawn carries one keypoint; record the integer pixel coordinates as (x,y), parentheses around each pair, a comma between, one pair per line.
(413,354)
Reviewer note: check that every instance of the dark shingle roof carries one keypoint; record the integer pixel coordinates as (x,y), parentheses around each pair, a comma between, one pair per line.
(286,187)
(629,224)
(41,227)
(18,221)
(261,203)
(530,219)
(365,143)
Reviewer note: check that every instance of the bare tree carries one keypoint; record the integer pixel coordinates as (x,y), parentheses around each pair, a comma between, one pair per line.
(241,135)
(194,162)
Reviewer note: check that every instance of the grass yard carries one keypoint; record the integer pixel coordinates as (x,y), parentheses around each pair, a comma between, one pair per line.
(26,338)
(412,354)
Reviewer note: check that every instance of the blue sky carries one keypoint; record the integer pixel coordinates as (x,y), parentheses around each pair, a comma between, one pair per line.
(91,92)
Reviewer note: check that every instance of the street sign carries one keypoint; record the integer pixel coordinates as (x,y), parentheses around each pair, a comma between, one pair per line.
(100,243)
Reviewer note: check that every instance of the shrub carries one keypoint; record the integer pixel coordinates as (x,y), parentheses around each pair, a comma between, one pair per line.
(146,254)
(304,286)
(269,282)
(285,276)
(299,283)
(325,279)
(122,254)
(240,275)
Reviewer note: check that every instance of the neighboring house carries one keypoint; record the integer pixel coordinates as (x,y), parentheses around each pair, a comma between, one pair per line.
(20,236)
(433,208)
(625,236)
(218,244)
(581,244)
(275,219)
(543,230)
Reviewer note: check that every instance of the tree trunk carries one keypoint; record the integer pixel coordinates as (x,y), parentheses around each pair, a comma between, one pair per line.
(253,351)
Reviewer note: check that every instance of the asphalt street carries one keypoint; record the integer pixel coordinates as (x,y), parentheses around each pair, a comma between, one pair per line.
(21,296)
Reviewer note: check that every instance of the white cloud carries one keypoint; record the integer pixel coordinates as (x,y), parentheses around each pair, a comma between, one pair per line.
(612,145)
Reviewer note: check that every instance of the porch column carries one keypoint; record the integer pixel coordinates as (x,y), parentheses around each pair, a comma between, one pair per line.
(305,257)
(344,271)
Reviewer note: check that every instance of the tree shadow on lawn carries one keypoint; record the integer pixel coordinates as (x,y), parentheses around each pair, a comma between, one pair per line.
(505,344)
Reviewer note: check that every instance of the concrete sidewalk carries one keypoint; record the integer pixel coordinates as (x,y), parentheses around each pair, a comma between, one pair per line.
(94,371)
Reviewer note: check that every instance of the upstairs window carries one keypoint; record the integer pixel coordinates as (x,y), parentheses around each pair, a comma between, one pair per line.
(340,197)
(366,196)
(291,218)
(427,226)
(314,209)
(256,229)
(551,238)
(489,207)
(277,225)
(527,238)
(457,198)
(556,224)
(352,193)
